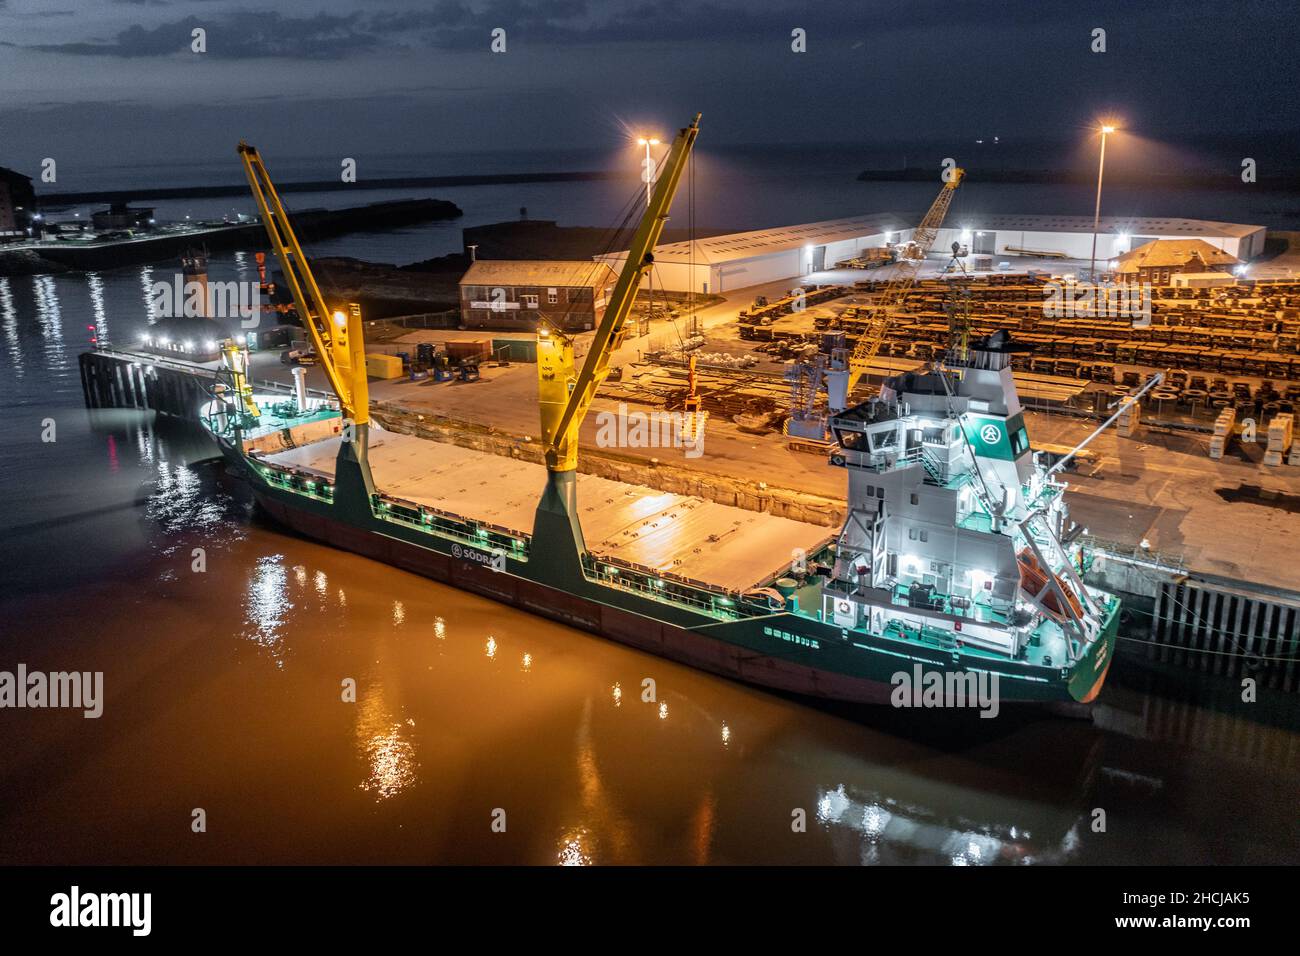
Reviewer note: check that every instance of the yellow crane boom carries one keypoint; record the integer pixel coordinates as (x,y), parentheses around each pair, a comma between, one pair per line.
(336,335)
(564,396)
(904,277)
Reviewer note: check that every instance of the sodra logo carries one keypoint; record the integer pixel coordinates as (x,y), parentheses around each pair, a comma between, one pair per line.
(494,559)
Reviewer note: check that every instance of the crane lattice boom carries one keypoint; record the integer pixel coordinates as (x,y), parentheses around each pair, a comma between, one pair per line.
(904,277)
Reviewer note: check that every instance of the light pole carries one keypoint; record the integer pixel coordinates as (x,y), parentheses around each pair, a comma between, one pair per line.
(1096,212)
(648,171)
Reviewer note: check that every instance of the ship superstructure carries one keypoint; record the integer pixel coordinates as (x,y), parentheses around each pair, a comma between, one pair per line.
(955,535)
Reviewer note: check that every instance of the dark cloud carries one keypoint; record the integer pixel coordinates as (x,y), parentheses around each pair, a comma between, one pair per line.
(236,36)
(456,24)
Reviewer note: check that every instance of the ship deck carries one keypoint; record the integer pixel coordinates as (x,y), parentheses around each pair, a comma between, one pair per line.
(690,537)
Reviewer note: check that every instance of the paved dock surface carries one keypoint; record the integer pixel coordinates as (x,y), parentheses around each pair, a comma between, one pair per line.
(683,535)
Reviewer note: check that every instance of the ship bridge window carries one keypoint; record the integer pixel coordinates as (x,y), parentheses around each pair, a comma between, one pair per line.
(1019,442)
(854,441)
(884,439)
(934,435)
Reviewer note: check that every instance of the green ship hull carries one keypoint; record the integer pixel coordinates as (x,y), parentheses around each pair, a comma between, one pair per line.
(551,575)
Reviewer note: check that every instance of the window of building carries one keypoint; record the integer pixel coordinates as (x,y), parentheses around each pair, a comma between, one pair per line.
(552,296)
(530,301)
(916,499)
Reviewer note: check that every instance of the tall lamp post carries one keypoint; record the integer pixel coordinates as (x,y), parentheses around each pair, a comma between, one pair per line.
(1096,213)
(648,171)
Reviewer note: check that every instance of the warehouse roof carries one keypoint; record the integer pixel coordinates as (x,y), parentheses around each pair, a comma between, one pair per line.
(538,272)
(766,242)
(1159,253)
(1137,226)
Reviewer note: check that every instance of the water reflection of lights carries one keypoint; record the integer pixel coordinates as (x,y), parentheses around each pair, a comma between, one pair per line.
(399,613)
(322,583)
(50,318)
(146,289)
(492,647)
(439,628)
(95,286)
(618,695)
(179,503)
(266,603)
(892,831)
(726,734)
(9,322)
(572,852)
(300,575)
(390,757)
(663,710)
(528,662)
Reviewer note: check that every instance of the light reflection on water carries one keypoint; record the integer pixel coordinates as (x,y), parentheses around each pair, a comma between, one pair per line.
(388,754)
(267,604)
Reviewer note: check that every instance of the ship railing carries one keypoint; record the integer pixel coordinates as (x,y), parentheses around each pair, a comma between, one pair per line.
(669,588)
(433,520)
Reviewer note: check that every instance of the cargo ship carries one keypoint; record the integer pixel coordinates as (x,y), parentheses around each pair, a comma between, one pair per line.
(957,564)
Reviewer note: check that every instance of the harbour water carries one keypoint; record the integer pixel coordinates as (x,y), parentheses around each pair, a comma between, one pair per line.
(223,686)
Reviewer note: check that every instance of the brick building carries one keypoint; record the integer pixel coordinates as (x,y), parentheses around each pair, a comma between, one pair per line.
(517,293)
(1159,260)
(17,202)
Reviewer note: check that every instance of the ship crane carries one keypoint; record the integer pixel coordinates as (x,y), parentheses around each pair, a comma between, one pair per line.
(335,334)
(564,393)
(840,384)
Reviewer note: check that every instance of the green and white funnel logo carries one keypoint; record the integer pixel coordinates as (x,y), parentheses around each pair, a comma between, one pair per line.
(988,437)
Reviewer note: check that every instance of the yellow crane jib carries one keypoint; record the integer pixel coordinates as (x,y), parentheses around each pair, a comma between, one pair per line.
(565,395)
(336,334)
(904,277)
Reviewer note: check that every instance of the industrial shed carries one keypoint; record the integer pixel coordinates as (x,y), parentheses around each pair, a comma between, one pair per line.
(516,294)
(734,261)
(741,259)
(1070,237)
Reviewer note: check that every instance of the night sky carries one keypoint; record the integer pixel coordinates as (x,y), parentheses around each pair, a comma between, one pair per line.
(117,77)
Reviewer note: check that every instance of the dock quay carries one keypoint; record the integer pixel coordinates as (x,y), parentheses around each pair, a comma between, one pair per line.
(170,243)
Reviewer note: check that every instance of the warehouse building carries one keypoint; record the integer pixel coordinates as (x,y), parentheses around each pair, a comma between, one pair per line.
(1070,237)
(518,293)
(725,263)
(742,259)
(17,201)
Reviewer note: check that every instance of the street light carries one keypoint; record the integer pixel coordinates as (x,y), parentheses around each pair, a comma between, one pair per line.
(1106,130)
(648,173)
